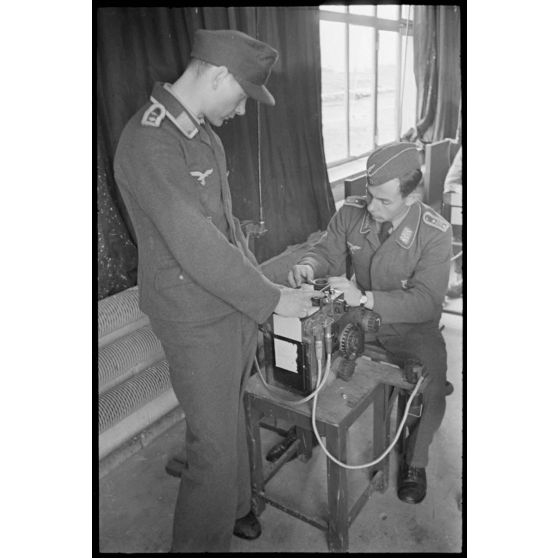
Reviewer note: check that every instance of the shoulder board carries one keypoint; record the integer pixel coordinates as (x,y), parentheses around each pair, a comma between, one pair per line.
(356,201)
(154,115)
(435,220)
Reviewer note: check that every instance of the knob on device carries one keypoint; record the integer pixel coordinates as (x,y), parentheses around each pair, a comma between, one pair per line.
(352,328)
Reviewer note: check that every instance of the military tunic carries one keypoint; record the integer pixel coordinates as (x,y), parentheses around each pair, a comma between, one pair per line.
(408,275)
(204,295)
(193,262)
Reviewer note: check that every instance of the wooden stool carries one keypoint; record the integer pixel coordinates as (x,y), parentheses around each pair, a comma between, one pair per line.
(340,404)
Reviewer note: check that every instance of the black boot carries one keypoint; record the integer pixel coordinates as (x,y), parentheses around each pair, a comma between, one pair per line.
(280,448)
(248,527)
(176,464)
(411,487)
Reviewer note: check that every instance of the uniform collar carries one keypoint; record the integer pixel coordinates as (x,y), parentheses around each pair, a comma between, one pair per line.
(396,222)
(368,228)
(181,117)
(366,223)
(198,120)
(406,232)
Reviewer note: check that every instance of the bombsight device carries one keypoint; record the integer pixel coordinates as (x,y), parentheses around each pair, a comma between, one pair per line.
(292,346)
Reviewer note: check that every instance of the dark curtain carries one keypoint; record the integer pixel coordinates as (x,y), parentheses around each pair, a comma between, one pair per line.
(116,252)
(437,66)
(138,46)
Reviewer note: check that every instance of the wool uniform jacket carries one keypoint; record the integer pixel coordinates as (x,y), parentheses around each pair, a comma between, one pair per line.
(408,274)
(194,262)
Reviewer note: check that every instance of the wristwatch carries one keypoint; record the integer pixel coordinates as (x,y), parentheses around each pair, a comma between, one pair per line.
(363,299)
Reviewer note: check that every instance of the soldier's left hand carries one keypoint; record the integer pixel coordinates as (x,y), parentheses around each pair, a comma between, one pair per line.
(350,291)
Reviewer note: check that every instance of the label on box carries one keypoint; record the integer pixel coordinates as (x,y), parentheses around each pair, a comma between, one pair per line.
(285,355)
(290,328)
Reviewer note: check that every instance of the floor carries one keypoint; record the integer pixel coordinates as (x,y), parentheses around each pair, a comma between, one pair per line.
(136,500)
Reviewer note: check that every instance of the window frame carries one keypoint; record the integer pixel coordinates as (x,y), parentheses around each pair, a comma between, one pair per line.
(403,27)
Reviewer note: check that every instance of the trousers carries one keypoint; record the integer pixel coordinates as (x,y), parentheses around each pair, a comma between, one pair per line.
(425,343)
(209,365)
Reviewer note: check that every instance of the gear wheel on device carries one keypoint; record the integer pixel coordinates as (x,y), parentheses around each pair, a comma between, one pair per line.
(351,341)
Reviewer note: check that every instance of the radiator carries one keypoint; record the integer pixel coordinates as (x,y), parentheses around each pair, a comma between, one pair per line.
(134,383)
(118,315)
(122,400)
(135,424)
(127,356)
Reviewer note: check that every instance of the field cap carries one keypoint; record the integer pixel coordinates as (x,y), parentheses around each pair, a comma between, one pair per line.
(246,58)
(390,161)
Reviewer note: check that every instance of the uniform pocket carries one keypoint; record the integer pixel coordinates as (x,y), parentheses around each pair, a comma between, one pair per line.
(171,277)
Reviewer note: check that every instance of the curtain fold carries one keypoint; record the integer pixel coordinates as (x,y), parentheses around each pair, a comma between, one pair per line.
(437,66)
(116,251)
(138,46)
(297,194)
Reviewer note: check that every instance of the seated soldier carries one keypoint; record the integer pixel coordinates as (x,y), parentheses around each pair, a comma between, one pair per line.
(400,251)
(454,184)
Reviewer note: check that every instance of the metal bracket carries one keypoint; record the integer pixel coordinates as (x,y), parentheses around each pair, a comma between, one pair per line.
(255,229)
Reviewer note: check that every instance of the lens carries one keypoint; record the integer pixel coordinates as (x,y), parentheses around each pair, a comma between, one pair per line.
(320,284)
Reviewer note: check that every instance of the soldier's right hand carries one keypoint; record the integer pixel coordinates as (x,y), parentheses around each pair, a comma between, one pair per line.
(295,302)
(300,273)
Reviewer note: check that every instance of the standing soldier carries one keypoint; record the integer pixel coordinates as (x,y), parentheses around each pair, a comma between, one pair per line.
(400,252)
(198,282)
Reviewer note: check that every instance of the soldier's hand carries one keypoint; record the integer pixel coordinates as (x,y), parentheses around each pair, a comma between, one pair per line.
(350,291)
(300,273)
(295,303)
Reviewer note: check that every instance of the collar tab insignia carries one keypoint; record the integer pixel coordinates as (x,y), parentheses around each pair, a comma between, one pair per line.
(184,123)
(412,222)
(406,236)
(173,110)
(154,115)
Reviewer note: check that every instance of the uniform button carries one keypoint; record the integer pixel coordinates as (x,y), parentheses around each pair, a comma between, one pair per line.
(210,219)
(181,277)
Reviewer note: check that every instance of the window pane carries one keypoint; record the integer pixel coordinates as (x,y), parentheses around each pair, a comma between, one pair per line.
(387,80)
(334,8)
(361,82)
(334,113)
(362,10)
(408,86)
(407,12)
(388,12)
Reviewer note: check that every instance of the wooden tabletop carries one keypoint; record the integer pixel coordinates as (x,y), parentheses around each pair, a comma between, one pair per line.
(337,401)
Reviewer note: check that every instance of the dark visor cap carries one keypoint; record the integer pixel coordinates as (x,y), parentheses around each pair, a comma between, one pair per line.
(246,58)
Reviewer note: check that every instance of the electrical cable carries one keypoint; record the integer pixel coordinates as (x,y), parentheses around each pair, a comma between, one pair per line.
(258,131)
(386,451)
(259,164)
(314,395)
(281,392)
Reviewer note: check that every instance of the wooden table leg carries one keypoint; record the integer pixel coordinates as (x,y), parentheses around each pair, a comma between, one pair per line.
(337,488)
(253,417)
(381,437)
(401,402)
(305,436)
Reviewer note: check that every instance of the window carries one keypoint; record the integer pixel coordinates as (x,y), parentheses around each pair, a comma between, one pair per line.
(368,86)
